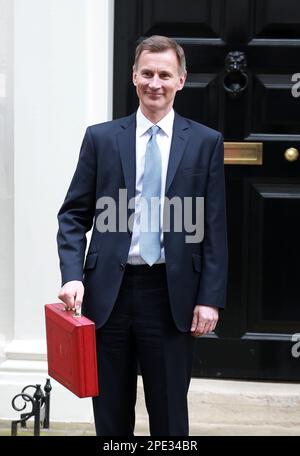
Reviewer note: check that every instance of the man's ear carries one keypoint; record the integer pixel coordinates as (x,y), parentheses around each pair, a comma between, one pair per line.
(182,80)
(134,76)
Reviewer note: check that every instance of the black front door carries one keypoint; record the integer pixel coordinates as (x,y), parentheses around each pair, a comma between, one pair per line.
(243,59)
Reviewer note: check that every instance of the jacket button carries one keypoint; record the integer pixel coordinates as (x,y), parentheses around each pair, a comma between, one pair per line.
(122,266)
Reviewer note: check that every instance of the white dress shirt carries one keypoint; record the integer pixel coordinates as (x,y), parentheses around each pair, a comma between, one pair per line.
(163,138)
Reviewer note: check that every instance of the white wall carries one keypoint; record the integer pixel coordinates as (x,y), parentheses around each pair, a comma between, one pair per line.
(6,173)
(61,51)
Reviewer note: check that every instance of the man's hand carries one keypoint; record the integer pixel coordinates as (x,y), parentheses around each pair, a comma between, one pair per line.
(72,294)
(205,319)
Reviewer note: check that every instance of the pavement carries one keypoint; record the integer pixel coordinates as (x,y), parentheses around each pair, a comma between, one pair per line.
(216,408)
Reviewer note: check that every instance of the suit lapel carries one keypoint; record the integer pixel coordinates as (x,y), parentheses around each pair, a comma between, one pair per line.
(127,145)
(178,145)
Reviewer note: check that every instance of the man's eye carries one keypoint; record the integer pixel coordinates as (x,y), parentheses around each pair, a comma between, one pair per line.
(165,76)
(146,74)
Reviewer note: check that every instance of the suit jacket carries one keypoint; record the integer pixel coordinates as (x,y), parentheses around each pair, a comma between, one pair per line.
(196,272)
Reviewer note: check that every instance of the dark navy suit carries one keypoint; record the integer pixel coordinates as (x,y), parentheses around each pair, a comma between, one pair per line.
(195,273)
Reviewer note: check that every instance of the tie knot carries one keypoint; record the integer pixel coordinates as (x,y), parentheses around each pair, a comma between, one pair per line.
(154,130)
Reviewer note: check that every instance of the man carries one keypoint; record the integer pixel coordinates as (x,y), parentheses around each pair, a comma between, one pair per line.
(149,291)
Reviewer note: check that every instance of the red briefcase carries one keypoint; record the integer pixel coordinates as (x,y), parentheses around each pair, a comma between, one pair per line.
(71,350)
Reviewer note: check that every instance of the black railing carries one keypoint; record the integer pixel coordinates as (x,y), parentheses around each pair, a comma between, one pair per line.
(40,403)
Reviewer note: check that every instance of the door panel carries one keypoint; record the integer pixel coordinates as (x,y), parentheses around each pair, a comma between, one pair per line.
(192,19)
(277,19)
(275,111)
(253,104)
(273,287)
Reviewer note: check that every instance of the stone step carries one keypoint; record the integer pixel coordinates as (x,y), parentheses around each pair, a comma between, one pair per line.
(230,407)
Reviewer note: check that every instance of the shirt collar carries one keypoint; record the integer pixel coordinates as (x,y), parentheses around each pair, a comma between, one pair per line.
(143,124)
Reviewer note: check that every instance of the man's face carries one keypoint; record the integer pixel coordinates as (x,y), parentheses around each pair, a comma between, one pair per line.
(157,79)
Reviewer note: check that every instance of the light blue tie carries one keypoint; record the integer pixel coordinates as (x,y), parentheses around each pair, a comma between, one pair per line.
(150,204)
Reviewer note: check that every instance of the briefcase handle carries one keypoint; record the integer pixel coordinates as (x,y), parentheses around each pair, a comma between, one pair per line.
(76,311)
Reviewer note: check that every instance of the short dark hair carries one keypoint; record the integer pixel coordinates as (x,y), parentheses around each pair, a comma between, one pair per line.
(157,43)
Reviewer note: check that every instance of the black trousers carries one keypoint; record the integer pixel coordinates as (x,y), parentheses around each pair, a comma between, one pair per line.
(141,330)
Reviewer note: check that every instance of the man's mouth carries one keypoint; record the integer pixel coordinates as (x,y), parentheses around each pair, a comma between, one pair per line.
(154,94)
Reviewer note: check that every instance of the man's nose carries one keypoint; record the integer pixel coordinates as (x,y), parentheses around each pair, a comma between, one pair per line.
(155,82)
